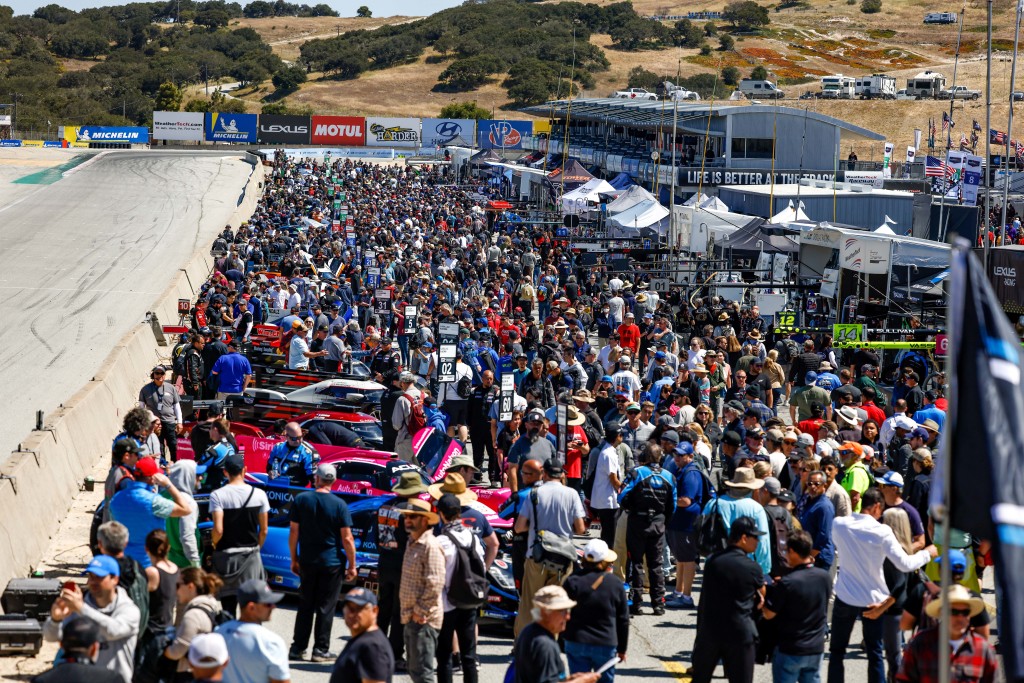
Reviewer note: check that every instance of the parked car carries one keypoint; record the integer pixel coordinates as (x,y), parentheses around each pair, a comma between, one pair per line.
(960,92)
(755,89)
(635,94)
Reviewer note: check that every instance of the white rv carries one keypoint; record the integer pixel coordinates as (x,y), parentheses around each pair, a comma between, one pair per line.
(838,87)
(926,85)
(875,86)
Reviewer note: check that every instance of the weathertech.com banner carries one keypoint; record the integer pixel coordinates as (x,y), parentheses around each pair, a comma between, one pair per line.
(178,125)
(279,128)
(391,132)
(344,131)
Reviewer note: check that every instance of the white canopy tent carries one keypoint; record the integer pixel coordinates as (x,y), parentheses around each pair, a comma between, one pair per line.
(578,201)
(790,214)
(884,228)
(648,216)
(630,198)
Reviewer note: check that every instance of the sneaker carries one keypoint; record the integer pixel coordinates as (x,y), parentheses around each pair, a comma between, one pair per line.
(456,662)
(635,609)
(681,602)
(296,656)
(319,656)
(659,610)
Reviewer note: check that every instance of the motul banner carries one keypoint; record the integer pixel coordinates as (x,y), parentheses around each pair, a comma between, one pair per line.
(279,128)
(347,131)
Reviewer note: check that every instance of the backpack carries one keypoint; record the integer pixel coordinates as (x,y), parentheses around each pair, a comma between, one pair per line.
(178,362)
(712,534)
(468,588)
(464,387)
(218,618)
(778,533)
(417,418)
(542,293)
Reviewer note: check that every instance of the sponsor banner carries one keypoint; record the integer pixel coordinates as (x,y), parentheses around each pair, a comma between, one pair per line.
(53,143)
(338,130)
(279,128)
(34,143)
(871,178)
(911,154)
(340,153)
(870,256)
(230,127)
(1003,264)
(695,176)
(441,132)
(502,134)
(178,125)
(972,179)
(132,134)
(5,120)
(10,143)
(392,132)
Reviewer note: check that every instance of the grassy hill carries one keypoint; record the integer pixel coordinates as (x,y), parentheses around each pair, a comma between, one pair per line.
(801,43)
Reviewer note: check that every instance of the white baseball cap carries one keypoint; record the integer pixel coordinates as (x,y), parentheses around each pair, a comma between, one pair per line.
(598,551)
(208,650)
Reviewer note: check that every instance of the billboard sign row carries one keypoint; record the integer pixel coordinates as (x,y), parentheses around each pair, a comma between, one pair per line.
(130,134)
(342,131)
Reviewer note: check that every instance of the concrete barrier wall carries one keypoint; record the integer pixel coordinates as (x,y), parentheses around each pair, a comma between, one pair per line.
(37,485)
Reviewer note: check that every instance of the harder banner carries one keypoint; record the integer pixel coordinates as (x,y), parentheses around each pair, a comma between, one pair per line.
(441,132)
(178,125)
(501,134)
(134,135)
(345,131)
(275,128)
(230,127)
(391,132)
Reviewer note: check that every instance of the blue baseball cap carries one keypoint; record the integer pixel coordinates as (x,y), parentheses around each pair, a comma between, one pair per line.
(102,565)
(684,448)
(957,561)
(606,378)
(660,355)
(811,377)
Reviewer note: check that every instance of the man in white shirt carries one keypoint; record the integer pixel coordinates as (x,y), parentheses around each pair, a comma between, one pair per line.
(862,546)
(298,349)
(607,482)
(625,380)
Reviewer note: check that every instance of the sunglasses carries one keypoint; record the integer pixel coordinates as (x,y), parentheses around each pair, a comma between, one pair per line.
(960,612)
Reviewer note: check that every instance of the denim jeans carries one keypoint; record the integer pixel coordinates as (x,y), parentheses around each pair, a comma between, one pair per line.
(795,668)
(420,651)
(893,638)
(586,658)
(843,618)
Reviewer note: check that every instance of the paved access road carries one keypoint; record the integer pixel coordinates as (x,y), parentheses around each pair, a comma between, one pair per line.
(659,649)
(83,259)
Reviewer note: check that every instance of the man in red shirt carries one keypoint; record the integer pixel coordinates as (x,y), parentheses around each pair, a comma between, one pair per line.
(870,407)
(629,335)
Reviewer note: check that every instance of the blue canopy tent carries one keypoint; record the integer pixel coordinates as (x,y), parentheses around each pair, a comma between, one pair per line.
(621,181)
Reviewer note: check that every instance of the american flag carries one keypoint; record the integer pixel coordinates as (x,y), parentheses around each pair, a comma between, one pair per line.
(997,137)
(947,122)
(964,144)
(937,168)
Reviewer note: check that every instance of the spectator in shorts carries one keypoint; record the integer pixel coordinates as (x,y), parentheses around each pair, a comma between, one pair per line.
(239,514)
(682,526)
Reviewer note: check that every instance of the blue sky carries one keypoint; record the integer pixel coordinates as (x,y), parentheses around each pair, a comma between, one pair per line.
(346,9)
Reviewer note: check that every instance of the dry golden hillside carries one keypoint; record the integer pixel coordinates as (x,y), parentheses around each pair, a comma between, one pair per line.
(801,44)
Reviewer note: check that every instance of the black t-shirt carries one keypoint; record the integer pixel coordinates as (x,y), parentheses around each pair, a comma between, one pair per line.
(369,656)
(75,672)
(729,596)
(320,516)
(800,599)
(537,656)
(914,605)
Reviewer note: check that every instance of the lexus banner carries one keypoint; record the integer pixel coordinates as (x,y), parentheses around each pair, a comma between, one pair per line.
(274,128)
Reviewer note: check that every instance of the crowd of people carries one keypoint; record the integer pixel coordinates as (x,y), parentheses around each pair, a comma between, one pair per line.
(700,440)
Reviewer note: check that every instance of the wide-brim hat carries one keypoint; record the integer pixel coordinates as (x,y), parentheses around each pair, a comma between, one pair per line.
(955,593)
(743,478)
(849,415)
(415,506)
(553,598)
(573,417)
(409,484)
(700,368)
(583,396)
(454,484)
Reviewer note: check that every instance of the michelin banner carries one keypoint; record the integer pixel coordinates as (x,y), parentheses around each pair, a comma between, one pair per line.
(392,132)
(494,134)
(443,132)
(133,135)
(178,125)
(230,127)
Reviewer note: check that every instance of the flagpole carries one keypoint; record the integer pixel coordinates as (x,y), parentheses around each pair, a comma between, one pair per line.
(1009,124)
(988,137)
(949,129)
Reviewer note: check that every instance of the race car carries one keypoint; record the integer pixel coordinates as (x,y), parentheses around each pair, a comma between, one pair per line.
(318,426)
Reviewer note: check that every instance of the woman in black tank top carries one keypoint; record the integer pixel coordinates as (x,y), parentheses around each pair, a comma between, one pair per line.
(162,586)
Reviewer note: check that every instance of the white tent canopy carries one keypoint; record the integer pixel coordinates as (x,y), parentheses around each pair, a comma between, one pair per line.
(790,214)
(630,198)
(649,214)
(714,204)
(884,228)
(577,201)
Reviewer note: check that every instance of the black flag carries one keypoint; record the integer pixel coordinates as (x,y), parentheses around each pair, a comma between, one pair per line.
(985,449)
